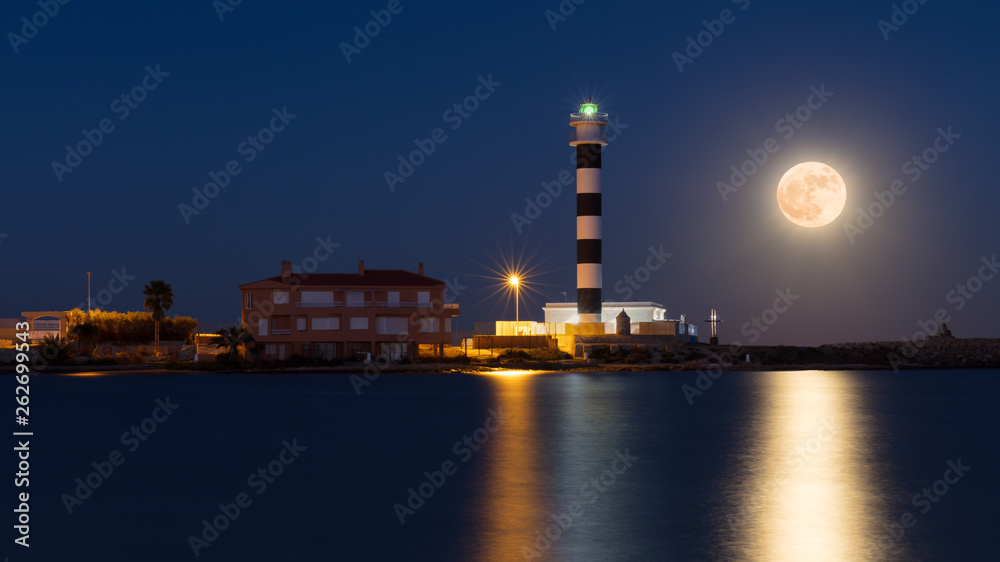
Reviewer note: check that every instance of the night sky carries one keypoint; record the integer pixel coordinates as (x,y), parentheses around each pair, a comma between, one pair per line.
(212,82)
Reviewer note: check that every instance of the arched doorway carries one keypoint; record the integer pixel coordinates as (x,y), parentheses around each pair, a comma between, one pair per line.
(45,323)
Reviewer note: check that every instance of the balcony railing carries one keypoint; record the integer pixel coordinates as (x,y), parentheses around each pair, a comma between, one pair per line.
(378,304)
(280,331)
(402,304)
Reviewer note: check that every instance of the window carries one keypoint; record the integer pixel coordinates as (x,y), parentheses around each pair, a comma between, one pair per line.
(394,351)
(326,351)
(262,327)
(359,323)
(270,349)
(332,323)
(423,298)
(390,325)
(279,297)
(447,324)
(317,298)
(248,300)
(392,298)
(300,324)
(355,348)
(355,298)
(429,326)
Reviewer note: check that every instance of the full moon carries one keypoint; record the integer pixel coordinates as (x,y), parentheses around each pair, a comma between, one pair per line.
(812,194)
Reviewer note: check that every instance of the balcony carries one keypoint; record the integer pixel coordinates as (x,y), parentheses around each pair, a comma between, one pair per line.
(367,303)
(280,331)
(328,304)
(401,304)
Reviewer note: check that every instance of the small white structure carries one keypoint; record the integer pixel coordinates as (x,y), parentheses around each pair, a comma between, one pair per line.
(565,313)
(641,314)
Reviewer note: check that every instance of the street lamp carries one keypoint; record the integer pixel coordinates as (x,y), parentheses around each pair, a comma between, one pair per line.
(517,295)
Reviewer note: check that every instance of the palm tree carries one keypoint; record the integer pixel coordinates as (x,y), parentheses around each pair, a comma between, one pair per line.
(234,339)
(159,299)
(86,334)
(54,348)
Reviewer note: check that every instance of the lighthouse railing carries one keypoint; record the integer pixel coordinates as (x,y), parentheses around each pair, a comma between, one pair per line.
(595,117)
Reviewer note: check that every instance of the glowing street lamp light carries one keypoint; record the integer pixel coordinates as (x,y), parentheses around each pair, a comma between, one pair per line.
(517,295)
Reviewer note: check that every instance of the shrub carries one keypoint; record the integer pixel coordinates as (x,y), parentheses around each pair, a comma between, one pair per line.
(514,354)
(227,360)
(547,354)
(126,357)
(297,360)
(600,353)
(640,355)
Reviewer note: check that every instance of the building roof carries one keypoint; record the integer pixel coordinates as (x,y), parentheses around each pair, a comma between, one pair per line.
(371,278)
(608,304)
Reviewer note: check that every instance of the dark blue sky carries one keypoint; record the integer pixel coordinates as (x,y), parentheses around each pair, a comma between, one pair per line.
(322,175)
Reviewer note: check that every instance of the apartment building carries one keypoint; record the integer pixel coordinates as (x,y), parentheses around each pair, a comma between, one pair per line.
(389,312)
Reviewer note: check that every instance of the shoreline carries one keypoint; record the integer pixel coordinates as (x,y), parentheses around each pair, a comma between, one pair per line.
(933,353)
(445,368)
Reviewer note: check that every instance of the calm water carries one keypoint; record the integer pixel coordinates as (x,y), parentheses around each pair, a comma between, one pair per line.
(812,465)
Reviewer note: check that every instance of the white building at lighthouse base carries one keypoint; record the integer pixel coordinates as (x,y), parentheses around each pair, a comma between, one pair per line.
(647,318)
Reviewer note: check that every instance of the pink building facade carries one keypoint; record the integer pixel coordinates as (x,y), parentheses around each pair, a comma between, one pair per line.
(382,312)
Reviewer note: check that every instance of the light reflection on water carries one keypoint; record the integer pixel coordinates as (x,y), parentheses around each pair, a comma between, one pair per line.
(551,491)
(805,491)
(511,492)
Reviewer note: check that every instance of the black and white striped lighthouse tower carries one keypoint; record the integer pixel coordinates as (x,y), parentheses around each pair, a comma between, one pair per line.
(588,139)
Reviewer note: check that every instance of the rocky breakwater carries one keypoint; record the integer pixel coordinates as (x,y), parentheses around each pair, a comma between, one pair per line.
(935,351)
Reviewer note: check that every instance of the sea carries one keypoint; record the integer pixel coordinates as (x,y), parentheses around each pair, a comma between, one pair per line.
(507,466)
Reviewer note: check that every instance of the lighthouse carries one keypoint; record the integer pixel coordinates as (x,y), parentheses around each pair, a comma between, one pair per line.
(588,138)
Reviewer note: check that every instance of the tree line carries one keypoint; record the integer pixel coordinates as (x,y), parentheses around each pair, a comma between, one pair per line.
(136,327)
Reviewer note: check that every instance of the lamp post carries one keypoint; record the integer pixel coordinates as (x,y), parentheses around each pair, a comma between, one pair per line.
(517,296)
(88,292)
(197,329)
